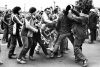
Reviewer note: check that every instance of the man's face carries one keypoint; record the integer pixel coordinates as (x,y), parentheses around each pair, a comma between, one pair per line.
(20,11)
(9,17)
(48,11)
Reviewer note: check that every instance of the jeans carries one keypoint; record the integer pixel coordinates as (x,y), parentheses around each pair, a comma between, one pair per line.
(27,45)
(78,49)
(13,43)
(60,41)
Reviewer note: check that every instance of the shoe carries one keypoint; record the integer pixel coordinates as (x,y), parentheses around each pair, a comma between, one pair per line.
(37,52)
(1,62)
(65,52)
(59,55)
(90,42)
(24,58)
(52,55)
(31,58)
(77,60)
(14,54)
(12,57)
(47,56)
(85,64)
(20,61)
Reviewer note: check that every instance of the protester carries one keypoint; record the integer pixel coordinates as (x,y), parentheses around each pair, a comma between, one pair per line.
(14,31)
(93,20)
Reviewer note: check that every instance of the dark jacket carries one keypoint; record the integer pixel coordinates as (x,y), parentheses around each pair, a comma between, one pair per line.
(80,29)
(5,22)
(93,19)
(64,25)
(14,19)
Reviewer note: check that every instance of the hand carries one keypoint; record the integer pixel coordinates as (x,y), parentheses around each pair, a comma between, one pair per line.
(36,30)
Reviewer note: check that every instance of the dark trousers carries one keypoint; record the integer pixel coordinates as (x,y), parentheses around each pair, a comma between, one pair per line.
(37,38)
(30,43)
(19,40)
(5,35)
(9,41)
(13,43)
(93,34)
(78,49)
(27,45)
(60,41)
(66,44)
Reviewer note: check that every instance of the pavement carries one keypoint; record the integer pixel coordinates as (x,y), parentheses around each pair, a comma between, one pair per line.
(91,51)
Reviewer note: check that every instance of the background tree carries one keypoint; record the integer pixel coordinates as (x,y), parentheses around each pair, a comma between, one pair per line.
(84,5)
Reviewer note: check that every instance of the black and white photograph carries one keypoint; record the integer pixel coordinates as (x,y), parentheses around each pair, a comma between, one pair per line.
(49,33)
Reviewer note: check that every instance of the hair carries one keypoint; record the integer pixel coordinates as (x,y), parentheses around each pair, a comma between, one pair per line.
(16,10)
(66,10)
(32,10)
(46,9)
(55,11)
(75,12)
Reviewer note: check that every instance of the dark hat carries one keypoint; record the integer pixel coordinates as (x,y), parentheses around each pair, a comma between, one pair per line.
(32,10)
(68,8)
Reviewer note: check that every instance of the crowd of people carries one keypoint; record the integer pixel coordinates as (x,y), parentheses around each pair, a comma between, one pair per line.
(50,30)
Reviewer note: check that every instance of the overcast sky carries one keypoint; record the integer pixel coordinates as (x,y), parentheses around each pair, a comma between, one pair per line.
(40,4)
